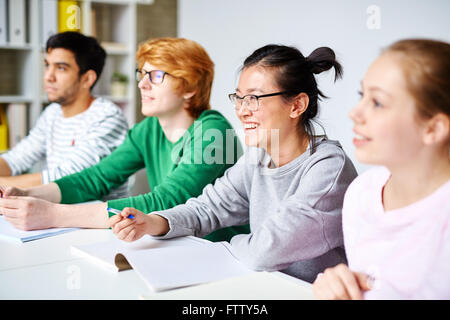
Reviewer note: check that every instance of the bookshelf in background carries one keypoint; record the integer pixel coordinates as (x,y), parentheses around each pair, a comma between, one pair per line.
(18,85)
(106,22)
(23,38)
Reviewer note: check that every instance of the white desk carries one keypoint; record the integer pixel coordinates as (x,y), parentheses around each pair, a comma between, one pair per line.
(45,269)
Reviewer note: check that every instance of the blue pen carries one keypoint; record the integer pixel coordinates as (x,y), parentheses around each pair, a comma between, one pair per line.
(115,211)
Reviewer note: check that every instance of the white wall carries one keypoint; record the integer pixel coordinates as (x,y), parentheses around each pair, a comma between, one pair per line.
(230,30)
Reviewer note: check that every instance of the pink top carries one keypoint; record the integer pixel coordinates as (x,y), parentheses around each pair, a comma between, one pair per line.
(406,250)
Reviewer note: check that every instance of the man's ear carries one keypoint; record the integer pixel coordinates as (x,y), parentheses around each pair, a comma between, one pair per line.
(188,95)
(88,79)
(299,105)
(437,129)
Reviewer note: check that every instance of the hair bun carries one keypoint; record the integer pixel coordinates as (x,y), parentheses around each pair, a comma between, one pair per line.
(323,59)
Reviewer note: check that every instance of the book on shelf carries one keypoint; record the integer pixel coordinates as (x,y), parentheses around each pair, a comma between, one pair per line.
(3,129)
(69,16)
(3,23)
(49,20)
(166,264)
(16,22)
(16,116)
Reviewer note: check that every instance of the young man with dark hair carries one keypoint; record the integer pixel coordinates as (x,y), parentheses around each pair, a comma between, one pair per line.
(76,130)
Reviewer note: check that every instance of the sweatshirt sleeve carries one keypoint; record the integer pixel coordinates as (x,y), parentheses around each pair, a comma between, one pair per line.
(205,157)
(220,205)
(97,181)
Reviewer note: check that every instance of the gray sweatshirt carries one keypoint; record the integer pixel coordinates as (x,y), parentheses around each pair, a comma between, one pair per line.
(294,211)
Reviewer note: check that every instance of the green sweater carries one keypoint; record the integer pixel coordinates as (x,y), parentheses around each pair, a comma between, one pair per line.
(175,171)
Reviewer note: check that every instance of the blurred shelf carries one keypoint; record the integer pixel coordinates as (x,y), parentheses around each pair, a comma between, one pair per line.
(16,47)
(116,48)
(15,99)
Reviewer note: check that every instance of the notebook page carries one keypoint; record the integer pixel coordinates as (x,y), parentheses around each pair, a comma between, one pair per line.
(9,232)
(181,266)
(106,253)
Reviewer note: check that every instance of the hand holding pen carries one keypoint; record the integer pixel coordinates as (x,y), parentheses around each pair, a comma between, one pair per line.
(131,224)
(115,211)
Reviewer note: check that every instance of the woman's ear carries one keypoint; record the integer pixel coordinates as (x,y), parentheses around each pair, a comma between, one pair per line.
(88,79)
(437,129)
(299,106)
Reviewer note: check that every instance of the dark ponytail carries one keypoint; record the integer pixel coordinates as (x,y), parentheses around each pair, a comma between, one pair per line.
(295,74)
(323,59)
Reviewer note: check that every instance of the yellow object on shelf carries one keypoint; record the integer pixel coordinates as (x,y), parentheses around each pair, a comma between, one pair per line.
(69,16)
(3,130)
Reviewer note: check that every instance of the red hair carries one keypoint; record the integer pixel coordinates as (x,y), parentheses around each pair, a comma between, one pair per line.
(185,60)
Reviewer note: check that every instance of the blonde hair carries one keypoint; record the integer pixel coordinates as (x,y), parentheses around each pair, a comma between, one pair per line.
(187,62)
(426,66)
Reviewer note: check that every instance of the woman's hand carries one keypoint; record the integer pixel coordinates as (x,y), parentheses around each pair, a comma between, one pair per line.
(340,283)
(132,229)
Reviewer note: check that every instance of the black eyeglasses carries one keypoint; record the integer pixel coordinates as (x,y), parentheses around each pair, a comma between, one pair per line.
(250,100)
(154,76)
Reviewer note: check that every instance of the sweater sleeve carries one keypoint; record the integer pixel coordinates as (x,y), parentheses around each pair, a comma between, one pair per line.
(220,205)
(97,181)
(204,157)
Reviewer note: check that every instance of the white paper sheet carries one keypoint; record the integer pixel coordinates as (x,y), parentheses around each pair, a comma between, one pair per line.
(9,232)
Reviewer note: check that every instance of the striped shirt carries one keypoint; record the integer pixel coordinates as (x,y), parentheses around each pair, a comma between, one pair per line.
(69,145)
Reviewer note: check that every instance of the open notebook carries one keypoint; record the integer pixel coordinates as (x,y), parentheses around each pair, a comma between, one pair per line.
(11,233)
(167,264)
